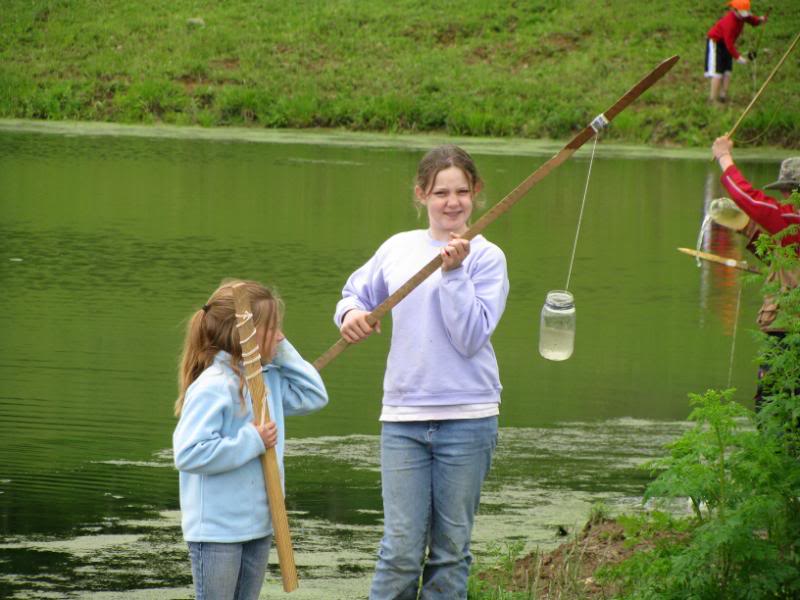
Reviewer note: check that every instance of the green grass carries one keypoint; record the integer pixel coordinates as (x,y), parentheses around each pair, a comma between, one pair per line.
(538,69)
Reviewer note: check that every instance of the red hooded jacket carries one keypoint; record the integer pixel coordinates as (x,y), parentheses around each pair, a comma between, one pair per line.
(772,216)
(728,29)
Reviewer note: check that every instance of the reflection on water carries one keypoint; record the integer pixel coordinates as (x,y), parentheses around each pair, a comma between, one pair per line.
(720,285)
(108,243)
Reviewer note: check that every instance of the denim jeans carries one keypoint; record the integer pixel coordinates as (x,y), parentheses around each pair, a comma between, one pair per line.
(229,571)
(431,474)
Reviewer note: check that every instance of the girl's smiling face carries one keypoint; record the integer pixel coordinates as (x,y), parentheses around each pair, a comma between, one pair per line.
(449,203)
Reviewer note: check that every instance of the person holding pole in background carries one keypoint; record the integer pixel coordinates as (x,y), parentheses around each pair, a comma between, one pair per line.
(721,47)
(766,215)
(441,386)
(218,441)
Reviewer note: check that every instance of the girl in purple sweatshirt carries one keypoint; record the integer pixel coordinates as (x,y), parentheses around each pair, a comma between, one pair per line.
(441,388)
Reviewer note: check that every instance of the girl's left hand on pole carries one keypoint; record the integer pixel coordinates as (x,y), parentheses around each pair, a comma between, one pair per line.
(268,432)
(455,252)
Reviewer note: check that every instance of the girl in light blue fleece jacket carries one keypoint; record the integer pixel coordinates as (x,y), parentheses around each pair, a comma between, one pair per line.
(441,390)
(217,443)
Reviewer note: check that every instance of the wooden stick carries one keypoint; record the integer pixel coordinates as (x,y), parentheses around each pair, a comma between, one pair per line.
(715,258)
(506,203)
(269,460)
(763,87)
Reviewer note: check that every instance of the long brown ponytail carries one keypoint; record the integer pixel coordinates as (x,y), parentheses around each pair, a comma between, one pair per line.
(213,328)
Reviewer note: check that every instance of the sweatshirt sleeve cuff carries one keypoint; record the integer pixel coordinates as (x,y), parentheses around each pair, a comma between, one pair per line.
(457,274)
(254,440)
(285,352)
(345,305)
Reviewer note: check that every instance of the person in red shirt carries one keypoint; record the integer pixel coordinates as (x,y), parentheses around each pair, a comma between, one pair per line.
(721,47)
(766,215)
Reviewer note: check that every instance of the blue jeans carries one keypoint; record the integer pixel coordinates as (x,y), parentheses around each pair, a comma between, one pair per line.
(431,474)
(229,571)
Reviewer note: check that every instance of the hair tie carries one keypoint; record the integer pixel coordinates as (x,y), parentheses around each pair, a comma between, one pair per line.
(206,308)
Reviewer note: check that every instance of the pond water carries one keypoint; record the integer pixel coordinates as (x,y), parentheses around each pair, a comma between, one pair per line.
(110,237)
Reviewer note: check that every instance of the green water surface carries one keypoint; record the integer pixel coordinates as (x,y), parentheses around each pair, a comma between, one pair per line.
(108,242)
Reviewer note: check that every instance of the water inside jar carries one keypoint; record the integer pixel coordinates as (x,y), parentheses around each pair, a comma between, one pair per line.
(557,326)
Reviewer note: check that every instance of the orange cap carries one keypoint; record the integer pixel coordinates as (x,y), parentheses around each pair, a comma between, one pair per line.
(740,4)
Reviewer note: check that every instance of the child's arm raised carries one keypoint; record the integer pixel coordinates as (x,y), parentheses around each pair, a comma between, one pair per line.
(302,389)
(472,303)
(198,443)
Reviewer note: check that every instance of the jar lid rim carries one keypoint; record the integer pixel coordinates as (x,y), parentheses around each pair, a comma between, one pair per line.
(560,298)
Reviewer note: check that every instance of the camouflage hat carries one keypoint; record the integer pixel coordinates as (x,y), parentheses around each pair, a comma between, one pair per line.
(789,177)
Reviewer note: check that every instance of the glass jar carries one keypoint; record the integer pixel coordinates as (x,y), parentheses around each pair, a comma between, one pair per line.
(557,326)
(725,212)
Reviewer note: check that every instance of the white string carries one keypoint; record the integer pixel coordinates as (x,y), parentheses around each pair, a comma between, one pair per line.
(733,342)
(244,319)
(249,337)
(580,216)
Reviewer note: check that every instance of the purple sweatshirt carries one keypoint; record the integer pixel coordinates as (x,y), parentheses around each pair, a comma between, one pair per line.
(441,352)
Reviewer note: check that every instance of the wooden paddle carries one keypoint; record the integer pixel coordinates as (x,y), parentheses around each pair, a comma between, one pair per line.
(506,203)
(251,357)
(715,258)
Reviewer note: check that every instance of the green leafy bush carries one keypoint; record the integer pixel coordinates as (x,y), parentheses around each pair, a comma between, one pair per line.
(741,473)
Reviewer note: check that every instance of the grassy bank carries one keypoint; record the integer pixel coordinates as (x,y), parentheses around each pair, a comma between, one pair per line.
(587,566)
(538,69)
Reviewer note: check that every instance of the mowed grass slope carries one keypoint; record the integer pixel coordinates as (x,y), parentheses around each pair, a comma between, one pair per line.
(538,69)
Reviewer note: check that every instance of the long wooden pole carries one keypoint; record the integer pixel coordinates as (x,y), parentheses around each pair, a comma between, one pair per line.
(763,87)
(506,203)
(269,460)
(715,258)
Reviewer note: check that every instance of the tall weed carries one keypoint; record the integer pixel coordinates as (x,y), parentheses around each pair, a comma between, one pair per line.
(740,471)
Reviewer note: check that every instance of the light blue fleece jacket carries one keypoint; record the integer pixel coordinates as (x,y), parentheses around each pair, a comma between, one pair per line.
(217,449)
(441,352)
